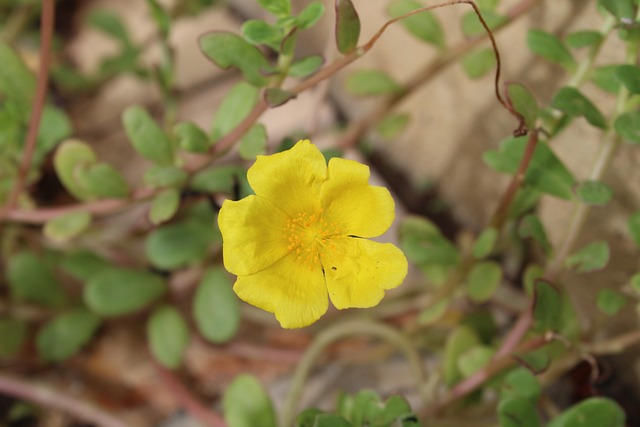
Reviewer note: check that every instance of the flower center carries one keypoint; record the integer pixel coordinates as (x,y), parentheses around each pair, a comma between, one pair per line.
(309,235)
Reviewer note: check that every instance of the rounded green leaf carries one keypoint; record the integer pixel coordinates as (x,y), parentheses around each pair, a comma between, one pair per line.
(524,103)
(310,15)
(485,243)
(393,124)
(168,335)
(483,281)
(550,48)
(254,142)
(424,25)
(459,341)
(474,359)
(71,157)
(165,176)
(258,32)
(610,301)
(423,243)
(594,193)
(520,382)
(117,291)
(65,335)
(82,264)
(347,26)
(536,361)
(146,136)
(277,7)
(306,66)
(585,38)
(605,78)
(235,106)
(65,227)
(571,101)
(595,411)
(164,205)
(479,63)
(621,9)
(371,82)
(191,137)
(246,404)
(635,283)
(547,306)
(228,50)
(17,82)
(628,126)
(13,333)
(215,307)
(104,181)
(219,179)
(531,227)
(472,26)
(176,245)
(629,76)
(30,279)
(109,23)
(590,258)
(518,412)
(276,97)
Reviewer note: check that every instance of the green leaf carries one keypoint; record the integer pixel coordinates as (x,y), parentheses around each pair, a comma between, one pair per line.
(146,136)
(174,246)
(307,418)
(594,411)
(628,126)
(347,26)
(254,142)
(547,306)
(165,176)
(277,7)
(13,333)
(67,226)
(474,359)
(536,361)
(545,173)
(310,15)
(518,412)
(586,38)
(30,279)
(104,181)
(83,264)
(629,76)
(478,63)
(258,32)
(532,273)
(306,66)
(424,25)
(621,9)
(371,82)
(595,193)
(634,227)
(65,335)
(635,282)
(590,258)
(571,101)
(423,243)
(485,243)
(118,291)
(605,78)
(610,301)
(235,106)
(161,16)
(524,103)
(221,179)
(531,227)
(168,335)
(461,340)
(276,97)
(520,382)
(433,313)
(228,50)
(17,82)
(550,48)
(55,126)
(483,281)
(471,25)
(331,420)
(110,24)
(393,124)
(487,4)
(164,206)
(191,137)
(215,307)
(71,157)
(246,404)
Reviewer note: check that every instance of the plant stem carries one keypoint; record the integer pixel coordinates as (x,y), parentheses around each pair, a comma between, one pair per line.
(55,399)
(340,331)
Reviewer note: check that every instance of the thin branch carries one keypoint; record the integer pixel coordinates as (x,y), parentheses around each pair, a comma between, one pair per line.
(56,399)
(46,36)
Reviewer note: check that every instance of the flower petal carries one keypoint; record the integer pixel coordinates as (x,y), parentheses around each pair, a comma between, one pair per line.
(359,270)
(297,295)
(252,234)
(348,200)
(291,179)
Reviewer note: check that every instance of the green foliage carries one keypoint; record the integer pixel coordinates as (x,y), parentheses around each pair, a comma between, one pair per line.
(191,137)
(590,258)
(235,106)
(594,193)
(164,205)
(177,245)
(547,306)
(310,15)
(471,25)
(571,101)
(628,126)
(228,50)
(479,63)
(461,340)
(215,307)
(531,227)
(629,76)
(13,333)
(485,243)
(17,83)
(67,226)
(276,97)
(360,410)
(65,335)
(595,411)
(254,142)
(474,359)
(371,82)
(304,67)
(423,244)
(32,279)
(277,7)
(545,173)
(610,301)
(168,334)
(633,223)
(246,404)
(165,176)
(524,103)
(393,124)
(550,48)
(536,361)
(584,38)
(146,136)
(424,25)
(483,281)
(347,26)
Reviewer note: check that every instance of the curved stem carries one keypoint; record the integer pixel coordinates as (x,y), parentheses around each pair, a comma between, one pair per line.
(340,331)
(55,399)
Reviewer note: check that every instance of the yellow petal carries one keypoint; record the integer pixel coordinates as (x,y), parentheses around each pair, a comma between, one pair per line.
(297,295)
(290,179)
(359,270)
(348,200)
(252,234)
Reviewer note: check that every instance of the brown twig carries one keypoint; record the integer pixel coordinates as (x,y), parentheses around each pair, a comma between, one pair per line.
(44,396)
(46,36)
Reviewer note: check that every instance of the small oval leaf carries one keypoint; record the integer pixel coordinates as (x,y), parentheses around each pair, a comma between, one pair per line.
(146,136)
(246,404)
(65,227)
(347,26)
(215,307)
(168,335)
(65,335)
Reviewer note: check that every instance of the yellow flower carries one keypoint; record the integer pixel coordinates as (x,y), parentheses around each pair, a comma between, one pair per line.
(302,237)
